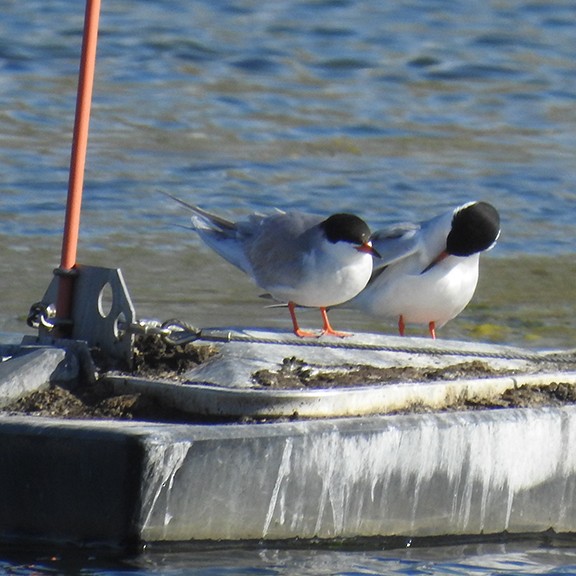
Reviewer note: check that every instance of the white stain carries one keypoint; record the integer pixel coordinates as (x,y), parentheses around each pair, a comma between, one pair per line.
(283,472)
(467,469)
(164,462)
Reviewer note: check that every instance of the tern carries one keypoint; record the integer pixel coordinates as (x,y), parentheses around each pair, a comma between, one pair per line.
(299,259)
(428,272)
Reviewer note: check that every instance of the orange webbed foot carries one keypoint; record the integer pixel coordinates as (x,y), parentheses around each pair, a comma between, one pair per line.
(328,330)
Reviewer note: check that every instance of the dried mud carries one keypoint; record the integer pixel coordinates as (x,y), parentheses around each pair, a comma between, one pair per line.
(155,359)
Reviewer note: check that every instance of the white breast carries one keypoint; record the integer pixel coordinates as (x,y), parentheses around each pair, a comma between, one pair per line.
(327,277)
(435,296)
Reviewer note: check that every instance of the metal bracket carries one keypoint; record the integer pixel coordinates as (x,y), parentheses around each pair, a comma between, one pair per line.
(102,312)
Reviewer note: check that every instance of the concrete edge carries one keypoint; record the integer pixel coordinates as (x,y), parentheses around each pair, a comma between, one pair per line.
(459,473)
(27,372)
(209,400)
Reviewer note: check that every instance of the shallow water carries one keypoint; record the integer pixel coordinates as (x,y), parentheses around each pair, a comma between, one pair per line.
(522,300)
(395,111)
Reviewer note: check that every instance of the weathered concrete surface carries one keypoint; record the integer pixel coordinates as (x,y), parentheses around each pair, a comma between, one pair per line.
(431,475)
(27,372)
(436,474)
(224,385)
(481,472)
(68,482)
(243,351)
(367,400)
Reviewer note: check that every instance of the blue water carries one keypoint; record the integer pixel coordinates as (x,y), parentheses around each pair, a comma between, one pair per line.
(396,111)
(529,557)
(393,110)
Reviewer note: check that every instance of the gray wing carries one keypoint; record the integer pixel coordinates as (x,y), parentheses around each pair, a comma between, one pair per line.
(395,243)
(276,248)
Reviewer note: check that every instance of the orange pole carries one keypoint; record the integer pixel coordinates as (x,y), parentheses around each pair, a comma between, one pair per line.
(78,161)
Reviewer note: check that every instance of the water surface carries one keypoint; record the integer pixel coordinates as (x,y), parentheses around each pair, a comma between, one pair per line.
(393,110)
(524,557)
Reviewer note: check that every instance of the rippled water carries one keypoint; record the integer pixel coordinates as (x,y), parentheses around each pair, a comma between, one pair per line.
(393,110)
(488,559)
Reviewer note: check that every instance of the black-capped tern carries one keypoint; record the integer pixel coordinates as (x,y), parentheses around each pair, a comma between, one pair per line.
(428,272)
(299,259)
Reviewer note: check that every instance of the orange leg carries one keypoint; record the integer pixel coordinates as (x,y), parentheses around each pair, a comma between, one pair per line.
(432,329)
(327,329)
(300,333)
(401,326)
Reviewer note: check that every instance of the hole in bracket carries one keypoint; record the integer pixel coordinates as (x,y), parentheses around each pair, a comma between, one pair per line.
(120,328)
(105,300)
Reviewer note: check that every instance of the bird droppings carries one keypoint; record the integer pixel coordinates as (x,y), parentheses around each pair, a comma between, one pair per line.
(295,373)
(154,359)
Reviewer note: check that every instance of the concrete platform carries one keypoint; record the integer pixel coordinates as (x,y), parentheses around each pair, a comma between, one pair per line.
(460,473)
(415,475)
(27,372)
(225,385)
(200,399)
(245,350)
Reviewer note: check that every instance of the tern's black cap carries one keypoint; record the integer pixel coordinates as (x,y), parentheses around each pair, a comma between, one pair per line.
(346,228)
(475,227)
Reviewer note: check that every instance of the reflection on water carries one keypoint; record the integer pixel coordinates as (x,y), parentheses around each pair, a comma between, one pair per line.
(511,559)
(392,111)
(524,557)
